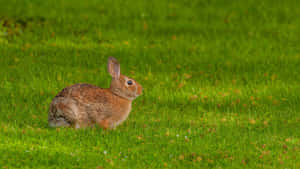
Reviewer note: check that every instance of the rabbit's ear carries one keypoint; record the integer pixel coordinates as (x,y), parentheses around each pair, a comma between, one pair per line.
(113,67)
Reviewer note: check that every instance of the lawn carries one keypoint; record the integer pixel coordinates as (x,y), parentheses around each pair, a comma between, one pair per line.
(221,82)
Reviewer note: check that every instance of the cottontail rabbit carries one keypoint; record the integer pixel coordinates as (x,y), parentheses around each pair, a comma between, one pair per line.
(83,105)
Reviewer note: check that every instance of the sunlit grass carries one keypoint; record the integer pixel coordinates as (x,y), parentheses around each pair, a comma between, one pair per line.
(221,82)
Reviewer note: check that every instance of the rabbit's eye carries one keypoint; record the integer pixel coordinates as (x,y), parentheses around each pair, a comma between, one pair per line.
(129,82)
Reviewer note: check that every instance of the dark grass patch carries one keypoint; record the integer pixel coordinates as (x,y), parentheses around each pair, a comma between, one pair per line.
(221,83)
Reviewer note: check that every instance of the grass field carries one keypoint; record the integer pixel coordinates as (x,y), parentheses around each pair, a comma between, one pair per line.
(221,82)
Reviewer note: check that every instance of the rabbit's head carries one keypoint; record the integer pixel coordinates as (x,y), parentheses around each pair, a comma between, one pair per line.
(122,85)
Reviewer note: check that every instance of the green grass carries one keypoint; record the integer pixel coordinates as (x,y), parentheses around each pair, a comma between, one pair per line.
(221,82)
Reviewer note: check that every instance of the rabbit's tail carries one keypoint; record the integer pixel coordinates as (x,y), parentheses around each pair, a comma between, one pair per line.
(59,122)
(61,113)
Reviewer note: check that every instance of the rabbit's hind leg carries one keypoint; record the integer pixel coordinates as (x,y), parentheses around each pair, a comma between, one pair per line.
(62,112)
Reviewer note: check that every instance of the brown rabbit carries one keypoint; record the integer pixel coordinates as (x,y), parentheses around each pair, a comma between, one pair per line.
(83,105)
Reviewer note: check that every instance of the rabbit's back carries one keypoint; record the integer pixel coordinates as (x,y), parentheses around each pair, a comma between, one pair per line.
(77,90)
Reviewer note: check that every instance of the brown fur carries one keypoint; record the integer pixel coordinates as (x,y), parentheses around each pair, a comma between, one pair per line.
(82,105)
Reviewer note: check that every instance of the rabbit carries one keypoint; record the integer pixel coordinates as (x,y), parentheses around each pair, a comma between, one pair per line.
(84,105)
